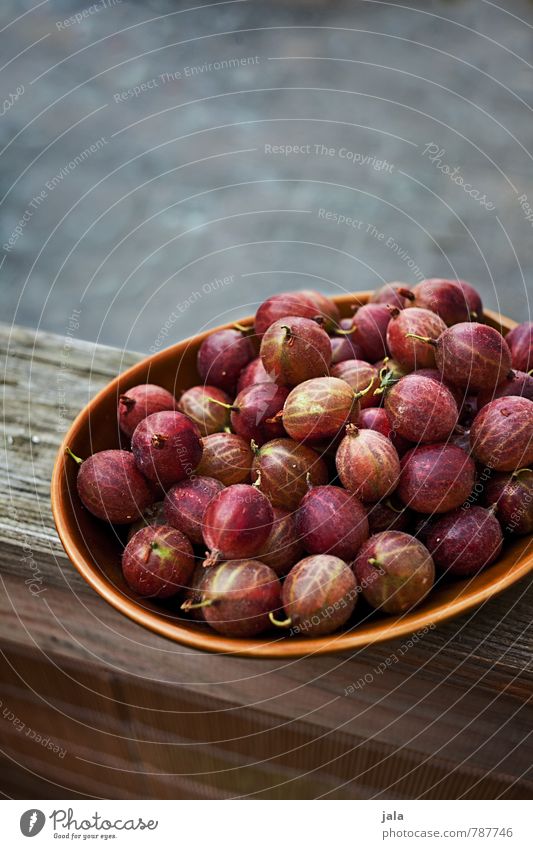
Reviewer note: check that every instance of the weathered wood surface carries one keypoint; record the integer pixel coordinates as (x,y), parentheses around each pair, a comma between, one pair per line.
(139,716)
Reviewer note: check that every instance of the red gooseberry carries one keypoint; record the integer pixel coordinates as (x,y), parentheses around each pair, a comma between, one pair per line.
(295,349)
(284,546)
(318,595)
(286,303)
(158,562)
(520,342)
(141,401)
(512,496)
(237,598)
(332,521)
(236,523)
(186,502)
(394,571)
(222,356)
(318,409)
(227,457)
(111,486)
(421,409)
(472,298)
(203,404)
(367,463)
(471,355)
(464,541)
(501,435)
(283,470)
(167,447)
(370,330)
(254,413)
(436,478)
(443,297)
(403,331)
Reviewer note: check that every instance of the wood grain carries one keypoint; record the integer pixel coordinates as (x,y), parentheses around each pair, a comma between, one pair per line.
(142,717)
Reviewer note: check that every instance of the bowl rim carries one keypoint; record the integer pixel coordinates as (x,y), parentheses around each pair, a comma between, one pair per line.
(192,636)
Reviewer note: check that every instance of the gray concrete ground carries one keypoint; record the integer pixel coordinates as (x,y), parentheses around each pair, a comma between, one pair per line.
(169,164)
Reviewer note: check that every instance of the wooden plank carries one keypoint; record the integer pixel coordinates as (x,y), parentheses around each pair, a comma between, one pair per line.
(143,741)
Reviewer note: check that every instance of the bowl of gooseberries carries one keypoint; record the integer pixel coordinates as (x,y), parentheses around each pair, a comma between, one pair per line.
(326,474)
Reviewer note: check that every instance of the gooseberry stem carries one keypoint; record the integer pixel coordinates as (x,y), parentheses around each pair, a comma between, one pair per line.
(275,419)
(352,429)
(519,472)
(231,407)
(78,460)
(191,605)
(213,558)
(406,293)
(127,401)
(241,327)
(363,392)
(279,623)
(427,339)
(287,329)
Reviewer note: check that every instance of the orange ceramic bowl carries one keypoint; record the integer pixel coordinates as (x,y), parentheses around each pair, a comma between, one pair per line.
(95,548)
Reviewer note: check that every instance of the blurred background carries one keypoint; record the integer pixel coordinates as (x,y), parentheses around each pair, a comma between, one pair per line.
(166,165)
